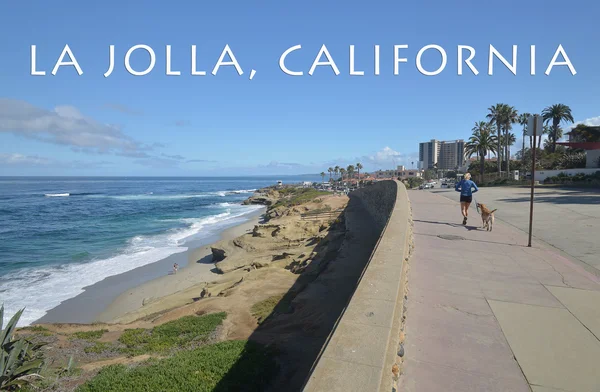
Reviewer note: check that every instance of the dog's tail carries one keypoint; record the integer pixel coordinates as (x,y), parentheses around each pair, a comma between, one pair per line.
(491,212)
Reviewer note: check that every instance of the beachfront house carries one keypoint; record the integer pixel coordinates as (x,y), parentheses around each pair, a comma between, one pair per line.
(586,138)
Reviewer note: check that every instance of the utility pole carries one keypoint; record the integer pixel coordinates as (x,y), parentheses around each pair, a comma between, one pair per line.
(534,124)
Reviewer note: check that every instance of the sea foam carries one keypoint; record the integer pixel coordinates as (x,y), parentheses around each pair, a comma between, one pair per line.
(57,194)
(51,285)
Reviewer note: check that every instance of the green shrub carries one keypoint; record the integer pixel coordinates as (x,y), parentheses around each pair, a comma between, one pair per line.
(414,182)
(272,305)
(296,196)
(98,348)
(578,178)
(572,161)
(38,330)
(226,366)
(20,360)
(90,335)
(174,334)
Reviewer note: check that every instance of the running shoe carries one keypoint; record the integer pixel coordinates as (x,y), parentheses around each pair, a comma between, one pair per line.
(465,221)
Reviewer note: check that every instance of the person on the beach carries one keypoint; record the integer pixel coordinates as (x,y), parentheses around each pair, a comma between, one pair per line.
(466,187)
(175,268)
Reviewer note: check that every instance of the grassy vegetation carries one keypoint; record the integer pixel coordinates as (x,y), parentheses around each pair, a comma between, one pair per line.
(89,335)
(171,335)
(321,210)
(504,182)
(296,196)
(273,305)
(226,366)
(36,329)
(98,348)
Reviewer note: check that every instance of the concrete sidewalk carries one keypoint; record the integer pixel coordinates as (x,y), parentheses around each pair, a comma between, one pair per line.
(486,313)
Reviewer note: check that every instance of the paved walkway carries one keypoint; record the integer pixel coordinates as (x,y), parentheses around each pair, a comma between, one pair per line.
(553,207)
(486,313)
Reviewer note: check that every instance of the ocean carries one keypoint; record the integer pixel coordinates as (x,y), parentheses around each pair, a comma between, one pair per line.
(59,235)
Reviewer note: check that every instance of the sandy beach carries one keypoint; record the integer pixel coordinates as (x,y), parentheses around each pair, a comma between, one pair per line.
(120,294)
(199,268)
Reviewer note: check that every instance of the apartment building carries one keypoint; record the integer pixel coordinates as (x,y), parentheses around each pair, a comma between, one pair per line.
(445,155)
(428,154)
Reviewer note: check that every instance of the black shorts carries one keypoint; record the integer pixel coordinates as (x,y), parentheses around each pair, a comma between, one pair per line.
(466,199)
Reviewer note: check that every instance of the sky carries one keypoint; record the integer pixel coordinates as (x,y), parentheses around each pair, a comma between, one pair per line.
(191,125)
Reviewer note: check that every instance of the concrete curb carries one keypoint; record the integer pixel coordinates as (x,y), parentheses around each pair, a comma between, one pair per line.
(362,352)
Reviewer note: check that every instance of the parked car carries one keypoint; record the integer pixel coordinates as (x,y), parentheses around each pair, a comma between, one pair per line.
(444,185)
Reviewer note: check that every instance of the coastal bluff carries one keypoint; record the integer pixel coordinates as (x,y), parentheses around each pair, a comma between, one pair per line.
(364,351)
(310,289)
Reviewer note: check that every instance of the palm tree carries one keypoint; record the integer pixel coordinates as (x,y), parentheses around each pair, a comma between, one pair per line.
(322,176)
(508,141)
(495,117)
(546,130)
(358,167)
(336,170)
(503,116)
(481,142)
(510,116)
(552,134)
(557,113)
(523,119)
(342,172)
(350,171)
(330,170)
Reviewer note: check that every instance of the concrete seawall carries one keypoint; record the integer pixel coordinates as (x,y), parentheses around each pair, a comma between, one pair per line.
(363,352)
(379,200)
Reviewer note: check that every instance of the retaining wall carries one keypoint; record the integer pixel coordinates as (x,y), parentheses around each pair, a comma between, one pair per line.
(379,200)
(541,175)
(362,353)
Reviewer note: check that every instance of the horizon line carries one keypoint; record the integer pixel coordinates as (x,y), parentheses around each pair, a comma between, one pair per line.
(164,176)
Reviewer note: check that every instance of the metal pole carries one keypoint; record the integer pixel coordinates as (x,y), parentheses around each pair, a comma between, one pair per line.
(532,181)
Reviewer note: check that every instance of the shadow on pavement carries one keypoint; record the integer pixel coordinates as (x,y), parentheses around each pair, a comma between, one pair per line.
(573,198)
(467,227)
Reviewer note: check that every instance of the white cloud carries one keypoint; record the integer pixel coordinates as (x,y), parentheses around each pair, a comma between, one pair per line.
(594,121)
(386,155)
(385,158)
(20,159)
(65,125)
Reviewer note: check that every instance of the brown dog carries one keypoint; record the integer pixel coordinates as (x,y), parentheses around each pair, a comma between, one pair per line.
(487,216)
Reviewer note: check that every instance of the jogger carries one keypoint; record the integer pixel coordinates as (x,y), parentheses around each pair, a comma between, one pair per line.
(466,187)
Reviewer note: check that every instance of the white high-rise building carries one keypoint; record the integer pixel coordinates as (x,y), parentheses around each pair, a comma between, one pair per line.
(448,155)
(429,153)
